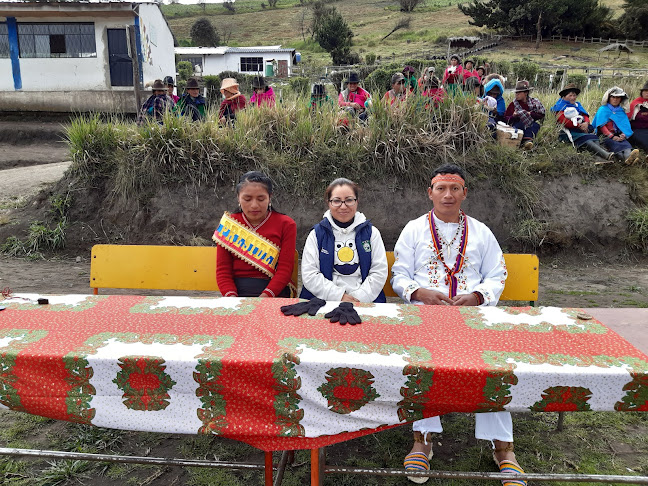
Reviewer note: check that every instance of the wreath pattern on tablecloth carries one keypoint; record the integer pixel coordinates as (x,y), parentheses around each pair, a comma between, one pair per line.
(212,413)
(635,399)
(348,389)
(564,399)
(419,374)
(21,338)
(144,382)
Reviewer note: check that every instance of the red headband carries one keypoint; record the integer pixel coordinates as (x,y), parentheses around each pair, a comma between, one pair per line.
(448,178)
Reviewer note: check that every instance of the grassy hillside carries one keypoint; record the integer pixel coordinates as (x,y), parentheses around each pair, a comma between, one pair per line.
(370,21)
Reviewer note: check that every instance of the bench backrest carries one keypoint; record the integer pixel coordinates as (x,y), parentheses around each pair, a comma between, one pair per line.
(194,268)
(156,267)
(521,284)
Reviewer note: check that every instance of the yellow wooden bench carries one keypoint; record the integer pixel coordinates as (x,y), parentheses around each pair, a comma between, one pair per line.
(156,267)
(521,284)
(194,268)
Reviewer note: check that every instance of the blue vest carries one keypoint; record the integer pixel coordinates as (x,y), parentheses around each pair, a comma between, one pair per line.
(326,241)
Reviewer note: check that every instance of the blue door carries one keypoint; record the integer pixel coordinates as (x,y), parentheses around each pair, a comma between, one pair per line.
(121,65)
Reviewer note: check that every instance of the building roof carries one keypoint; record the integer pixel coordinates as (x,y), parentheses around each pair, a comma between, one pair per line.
(67,8)
(222,50)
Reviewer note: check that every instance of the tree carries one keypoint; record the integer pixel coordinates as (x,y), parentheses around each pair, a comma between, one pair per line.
(408,5)
(634,19)
(334,36)
(203,34)
(539,17)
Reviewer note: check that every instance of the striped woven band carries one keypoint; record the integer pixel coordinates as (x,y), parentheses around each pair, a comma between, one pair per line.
(416,461)
(448,178)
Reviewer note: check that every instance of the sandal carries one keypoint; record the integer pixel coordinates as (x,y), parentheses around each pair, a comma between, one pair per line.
(510,467)
(418,461)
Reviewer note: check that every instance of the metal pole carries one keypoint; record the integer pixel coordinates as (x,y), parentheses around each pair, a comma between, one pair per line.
(160,461)
(132,52)
(574,478)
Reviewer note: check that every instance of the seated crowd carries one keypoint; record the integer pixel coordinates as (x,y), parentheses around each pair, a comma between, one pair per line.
(617,131)
(344,260)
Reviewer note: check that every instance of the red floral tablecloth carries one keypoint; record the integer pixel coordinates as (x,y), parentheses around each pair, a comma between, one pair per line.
(238,368)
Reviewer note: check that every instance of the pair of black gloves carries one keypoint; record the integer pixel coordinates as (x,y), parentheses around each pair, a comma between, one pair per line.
(344,313)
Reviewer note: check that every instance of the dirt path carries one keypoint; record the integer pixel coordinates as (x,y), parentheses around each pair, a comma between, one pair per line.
(23,181)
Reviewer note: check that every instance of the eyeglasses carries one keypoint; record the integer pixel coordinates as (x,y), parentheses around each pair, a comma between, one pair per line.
(402,81)
(349,201)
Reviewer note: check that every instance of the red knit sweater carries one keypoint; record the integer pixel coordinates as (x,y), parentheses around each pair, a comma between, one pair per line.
(278,228)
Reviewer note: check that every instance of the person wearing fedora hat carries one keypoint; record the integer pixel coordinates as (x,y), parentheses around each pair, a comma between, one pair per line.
(611,122)
(638,115)
(263,94)
(525,113)
(192,103)
(170,84)
(156,105)
(453,75)
(353,98)
(410,78)
(398,92)
(233,100)
(577,129)
(469,72)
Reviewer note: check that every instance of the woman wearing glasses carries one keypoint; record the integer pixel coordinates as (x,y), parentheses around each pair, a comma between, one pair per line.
(344,257)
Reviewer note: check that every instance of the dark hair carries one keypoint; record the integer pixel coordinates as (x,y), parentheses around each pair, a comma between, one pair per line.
(449,169)
(341,181)
(254,176)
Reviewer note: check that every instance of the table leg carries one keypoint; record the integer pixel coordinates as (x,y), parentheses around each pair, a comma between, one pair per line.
(318,460)
(268,468)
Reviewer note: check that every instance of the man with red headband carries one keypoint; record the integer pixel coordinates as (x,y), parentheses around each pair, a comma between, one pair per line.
(448,258)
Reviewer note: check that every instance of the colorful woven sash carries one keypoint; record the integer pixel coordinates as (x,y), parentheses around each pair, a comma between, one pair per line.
(450,279)
(247,245)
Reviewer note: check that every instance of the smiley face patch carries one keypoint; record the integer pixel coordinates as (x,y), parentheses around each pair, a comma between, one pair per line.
(346,261)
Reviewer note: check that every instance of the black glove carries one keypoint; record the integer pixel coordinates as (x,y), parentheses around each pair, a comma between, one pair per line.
(344,313)
(310,306)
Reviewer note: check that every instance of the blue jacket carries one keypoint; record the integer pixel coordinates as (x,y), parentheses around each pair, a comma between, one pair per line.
(326,244)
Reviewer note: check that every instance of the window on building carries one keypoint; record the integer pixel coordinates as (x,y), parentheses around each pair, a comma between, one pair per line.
(252,64)
(57,40)
(4,40)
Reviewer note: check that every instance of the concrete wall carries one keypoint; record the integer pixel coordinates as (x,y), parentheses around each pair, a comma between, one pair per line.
(158,58)
(214,65)
(62,74)
(117,100)
(83,84)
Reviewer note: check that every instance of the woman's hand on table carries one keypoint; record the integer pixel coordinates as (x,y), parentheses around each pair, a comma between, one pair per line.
(349,298)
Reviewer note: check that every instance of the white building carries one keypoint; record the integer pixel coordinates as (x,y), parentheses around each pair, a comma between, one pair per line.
(74,56)
(264,60)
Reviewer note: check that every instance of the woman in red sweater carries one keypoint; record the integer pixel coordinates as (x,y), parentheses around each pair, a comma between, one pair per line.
(256,244)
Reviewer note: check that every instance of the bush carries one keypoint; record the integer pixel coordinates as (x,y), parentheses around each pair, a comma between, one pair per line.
(370,58)
(408,5)
(526,70)
(299,85)
(579,79)
(379,80)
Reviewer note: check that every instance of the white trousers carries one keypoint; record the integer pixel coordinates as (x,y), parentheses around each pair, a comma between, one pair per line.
(488,426)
